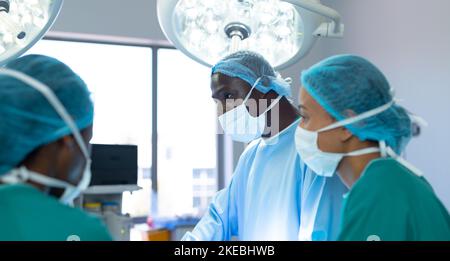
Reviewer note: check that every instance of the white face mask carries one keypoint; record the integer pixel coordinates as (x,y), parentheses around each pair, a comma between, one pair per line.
(241,125)
(22,174)
(326,163)
(72,192)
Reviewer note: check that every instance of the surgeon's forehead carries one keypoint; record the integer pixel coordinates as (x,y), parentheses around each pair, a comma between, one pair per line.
(215,77)
(222,80)
(216,82)
(303,97)
(306,101)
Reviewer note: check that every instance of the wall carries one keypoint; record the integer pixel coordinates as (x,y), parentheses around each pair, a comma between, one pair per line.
(408,39)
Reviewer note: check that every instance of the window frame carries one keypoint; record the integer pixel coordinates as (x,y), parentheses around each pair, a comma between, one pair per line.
(154,46)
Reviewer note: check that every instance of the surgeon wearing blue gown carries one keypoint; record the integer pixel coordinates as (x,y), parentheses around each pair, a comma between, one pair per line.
(272,195)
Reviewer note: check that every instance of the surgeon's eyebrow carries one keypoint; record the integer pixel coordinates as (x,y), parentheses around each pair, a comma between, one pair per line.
(302,107)
(218,91)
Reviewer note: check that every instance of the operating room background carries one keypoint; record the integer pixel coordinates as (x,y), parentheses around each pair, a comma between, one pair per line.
(408,39)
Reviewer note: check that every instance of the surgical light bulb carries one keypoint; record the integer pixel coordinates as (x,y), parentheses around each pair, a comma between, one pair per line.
(211,18)
(23,23)
(283,31)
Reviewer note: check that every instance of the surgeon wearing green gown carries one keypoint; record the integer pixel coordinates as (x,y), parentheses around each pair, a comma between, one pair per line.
(46,123)
(352,126)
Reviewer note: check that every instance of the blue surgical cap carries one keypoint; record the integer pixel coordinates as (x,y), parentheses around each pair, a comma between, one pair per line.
(348,83)
(250,66)
(28,121)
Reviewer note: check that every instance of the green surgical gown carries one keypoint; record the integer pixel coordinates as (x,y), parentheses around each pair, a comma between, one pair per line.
(390,203)
(26,214)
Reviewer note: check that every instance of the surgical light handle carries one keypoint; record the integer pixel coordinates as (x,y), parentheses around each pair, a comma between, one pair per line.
(11,26)
(335,29)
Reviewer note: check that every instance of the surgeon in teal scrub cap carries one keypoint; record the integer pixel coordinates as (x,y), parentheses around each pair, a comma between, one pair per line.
(351,125)
(46,123)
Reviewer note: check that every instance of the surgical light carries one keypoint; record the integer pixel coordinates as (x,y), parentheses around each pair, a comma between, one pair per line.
(283,31)
(23,23)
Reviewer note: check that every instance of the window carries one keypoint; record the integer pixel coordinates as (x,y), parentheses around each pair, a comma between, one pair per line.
(187,176)
(120,80)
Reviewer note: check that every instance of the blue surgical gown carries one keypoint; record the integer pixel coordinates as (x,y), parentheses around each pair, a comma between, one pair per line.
(273,196)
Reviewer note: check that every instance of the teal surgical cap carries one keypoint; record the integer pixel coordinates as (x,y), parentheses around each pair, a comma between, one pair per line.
(28,121)
(250,67)
(348,83)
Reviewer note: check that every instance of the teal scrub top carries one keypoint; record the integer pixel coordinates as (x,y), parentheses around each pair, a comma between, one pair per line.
(391,203)
(27,214)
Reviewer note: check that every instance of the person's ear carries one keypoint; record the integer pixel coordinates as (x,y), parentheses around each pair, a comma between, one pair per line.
(345,134)
(265,96)
(270,95)
(67,142)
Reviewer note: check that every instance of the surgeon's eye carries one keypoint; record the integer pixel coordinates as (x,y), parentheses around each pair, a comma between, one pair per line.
(301,114)
(228,96)
(303,117)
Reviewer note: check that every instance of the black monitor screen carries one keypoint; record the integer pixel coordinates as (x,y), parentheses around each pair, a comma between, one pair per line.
(114,165)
